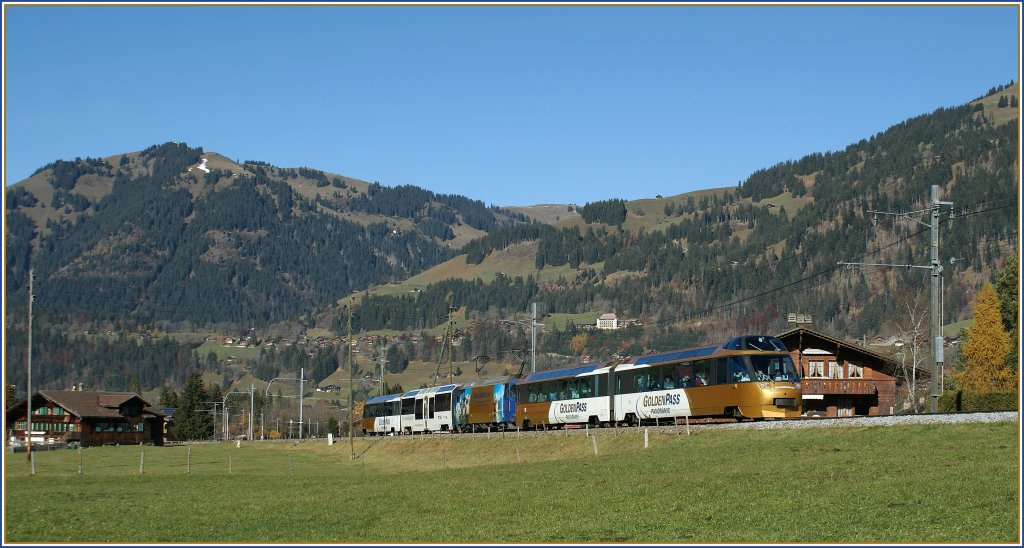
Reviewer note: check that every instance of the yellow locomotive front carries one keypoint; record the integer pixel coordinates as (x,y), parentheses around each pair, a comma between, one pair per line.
(763,378)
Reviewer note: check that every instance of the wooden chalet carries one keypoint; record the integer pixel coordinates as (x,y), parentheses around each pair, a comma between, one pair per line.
(841,379)
(87,418)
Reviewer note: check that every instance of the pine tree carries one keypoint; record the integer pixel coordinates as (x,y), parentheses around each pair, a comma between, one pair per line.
(192,421)
(168,397)
(984,352)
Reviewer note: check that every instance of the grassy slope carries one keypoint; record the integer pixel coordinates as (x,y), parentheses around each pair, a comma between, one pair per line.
(944,484)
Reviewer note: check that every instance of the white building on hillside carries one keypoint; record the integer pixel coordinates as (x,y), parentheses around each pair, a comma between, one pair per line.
(608,321)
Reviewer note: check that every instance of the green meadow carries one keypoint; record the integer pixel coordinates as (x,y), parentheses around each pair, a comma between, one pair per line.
(924,483)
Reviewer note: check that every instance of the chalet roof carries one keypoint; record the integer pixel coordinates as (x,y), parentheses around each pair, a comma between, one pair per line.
(814,342)
(814,339)
(96,404)
(608,316)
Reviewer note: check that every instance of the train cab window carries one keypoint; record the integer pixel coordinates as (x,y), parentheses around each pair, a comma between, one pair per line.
(738,370)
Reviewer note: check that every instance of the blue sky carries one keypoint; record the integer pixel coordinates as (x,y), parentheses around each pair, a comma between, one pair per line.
(509,105)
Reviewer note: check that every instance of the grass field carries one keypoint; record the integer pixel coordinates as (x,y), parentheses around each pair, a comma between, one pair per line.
(937,483)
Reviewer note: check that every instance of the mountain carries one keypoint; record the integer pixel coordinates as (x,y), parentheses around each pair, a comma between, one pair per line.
(175,233)
(722,261)
(178,235)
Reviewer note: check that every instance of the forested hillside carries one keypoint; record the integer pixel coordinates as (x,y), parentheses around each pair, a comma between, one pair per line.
(177,237)
(742,260)
(238,244)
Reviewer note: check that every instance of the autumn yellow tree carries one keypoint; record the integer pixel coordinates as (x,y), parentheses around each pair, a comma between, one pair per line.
(984,352)
(578,344)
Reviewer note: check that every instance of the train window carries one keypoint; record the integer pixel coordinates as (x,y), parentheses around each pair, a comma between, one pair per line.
(433,407)
(722,371)
(640,381)
(738,370)
(684,375)
(702,373)
(573,389)
(586,391)
(419,409)
(408,405)
(531,396)
(624,382)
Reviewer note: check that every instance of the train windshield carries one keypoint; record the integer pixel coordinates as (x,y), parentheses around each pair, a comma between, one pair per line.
(774,368)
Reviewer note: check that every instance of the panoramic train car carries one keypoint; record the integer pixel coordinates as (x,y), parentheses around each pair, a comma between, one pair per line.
(572,395)
(746,377)
(489,403)
(382,415)
(428,410)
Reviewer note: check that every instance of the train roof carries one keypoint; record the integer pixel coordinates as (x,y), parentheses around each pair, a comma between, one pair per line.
(384,398)
(490,382)
(443,389)
(675,355)
(564,372)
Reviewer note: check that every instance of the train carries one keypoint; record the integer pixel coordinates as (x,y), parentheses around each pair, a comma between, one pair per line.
(746,377)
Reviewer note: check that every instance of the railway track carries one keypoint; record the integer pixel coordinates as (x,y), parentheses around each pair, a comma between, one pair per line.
(802,422)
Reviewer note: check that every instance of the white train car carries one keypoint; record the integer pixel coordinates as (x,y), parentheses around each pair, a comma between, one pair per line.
(427,410)
(575,395)
(382,415)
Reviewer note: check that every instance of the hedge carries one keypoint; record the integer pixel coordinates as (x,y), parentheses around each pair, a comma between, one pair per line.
(966,400)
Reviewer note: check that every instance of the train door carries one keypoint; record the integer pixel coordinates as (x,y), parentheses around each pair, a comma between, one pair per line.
(431,407)
(408,420)
(419,420)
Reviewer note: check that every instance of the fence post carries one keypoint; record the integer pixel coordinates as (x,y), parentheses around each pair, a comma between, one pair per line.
(79,460)
(188,463)
(32,457)
(593,440)
(687,425)
(229,465)
(646,438)
(142,461)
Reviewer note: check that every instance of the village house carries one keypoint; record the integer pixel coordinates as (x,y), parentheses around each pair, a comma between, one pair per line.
(841,379)
(87,418)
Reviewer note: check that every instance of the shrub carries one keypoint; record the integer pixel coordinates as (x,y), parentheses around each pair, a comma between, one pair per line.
(967,401)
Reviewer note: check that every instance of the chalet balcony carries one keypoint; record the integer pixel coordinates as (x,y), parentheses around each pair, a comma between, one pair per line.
(838,386)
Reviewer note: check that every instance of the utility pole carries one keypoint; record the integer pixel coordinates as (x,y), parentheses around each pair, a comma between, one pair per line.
(937,354)
(383,362)
(351,392)
(533,339)
(252,409)
(451,345)
(302,389)
(28,385)
(936,270)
